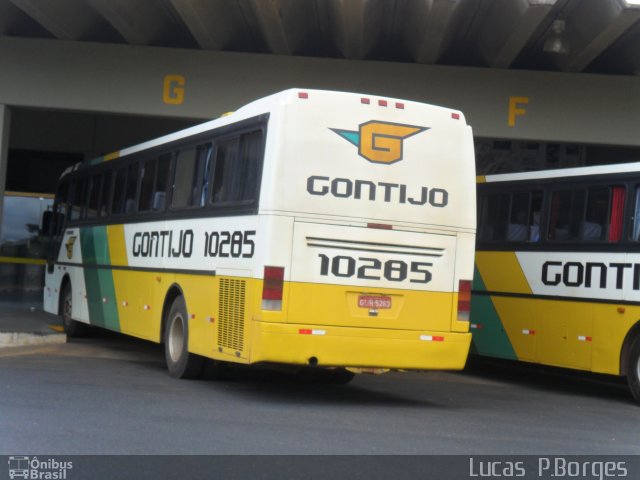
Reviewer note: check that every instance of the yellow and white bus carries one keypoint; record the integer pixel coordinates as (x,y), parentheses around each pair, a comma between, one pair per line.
(558,269)
(308,228)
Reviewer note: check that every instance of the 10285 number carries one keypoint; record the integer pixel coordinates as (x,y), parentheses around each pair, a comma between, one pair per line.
(344,266)
(229,244)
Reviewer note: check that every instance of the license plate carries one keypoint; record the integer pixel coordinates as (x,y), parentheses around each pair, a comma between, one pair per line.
(374,301)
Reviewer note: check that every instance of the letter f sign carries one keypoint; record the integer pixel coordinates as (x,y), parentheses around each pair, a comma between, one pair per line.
(515,108)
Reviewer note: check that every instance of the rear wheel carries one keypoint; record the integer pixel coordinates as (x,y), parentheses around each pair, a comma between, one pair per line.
(180,363)
(633,370)
(72,327)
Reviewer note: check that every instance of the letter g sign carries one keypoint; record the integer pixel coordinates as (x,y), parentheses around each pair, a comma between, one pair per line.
(173,90)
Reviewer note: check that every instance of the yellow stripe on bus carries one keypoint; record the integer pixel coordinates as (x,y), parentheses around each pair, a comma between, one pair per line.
(26,261)
(112,156)
(501,272)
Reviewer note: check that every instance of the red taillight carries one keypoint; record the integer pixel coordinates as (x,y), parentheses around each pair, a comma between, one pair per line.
(464,300)
(272,288)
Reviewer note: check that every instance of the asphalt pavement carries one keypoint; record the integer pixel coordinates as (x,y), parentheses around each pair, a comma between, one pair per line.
(23,324)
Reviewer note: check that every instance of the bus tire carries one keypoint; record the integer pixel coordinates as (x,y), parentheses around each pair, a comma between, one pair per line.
(71,327)
(633,369)
(180,363)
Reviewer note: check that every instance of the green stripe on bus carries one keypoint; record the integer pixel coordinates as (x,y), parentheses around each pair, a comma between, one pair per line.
(489,337)
(101,294)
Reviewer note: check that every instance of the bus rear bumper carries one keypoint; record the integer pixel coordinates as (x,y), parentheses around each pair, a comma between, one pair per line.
(332,346)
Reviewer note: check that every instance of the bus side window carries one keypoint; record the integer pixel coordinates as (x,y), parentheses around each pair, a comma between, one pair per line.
(567,215)
(95,184)
(534,216)
(158,201)
(249,165)
(236,172)
(117,202)
(616,219)
(495,217)
(105,196)
(518,227)
(59,212)
(226,155)
(133,175)
(76,197)
(146,187)
(185,164)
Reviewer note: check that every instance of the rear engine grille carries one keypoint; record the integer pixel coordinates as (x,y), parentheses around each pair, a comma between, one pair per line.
(231,313)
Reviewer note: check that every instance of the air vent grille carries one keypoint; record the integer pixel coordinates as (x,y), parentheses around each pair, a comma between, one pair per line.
(231,314)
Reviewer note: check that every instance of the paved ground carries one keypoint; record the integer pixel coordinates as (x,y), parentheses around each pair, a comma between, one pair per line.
(111,394)
(26,324)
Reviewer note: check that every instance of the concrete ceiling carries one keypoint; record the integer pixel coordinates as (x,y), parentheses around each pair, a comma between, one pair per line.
(597,36)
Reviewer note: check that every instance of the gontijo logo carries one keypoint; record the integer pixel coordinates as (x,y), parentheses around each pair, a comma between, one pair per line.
(380,142)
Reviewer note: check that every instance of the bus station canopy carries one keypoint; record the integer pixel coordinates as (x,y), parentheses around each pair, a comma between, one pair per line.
(594,36)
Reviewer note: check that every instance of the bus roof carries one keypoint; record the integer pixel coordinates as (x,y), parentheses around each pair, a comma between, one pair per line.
(562,172)
(252,109)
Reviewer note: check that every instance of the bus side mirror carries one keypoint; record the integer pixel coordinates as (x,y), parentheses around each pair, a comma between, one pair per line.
(52,223)
(45,226)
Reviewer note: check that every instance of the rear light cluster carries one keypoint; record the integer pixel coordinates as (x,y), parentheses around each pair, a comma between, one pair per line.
(464,300)
(272,288)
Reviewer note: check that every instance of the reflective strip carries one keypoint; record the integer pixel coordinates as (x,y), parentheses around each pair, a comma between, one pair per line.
(584,338)
(528,332)
(431,338)
(306,331)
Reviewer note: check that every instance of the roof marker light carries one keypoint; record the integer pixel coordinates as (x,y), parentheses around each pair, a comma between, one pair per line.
(400,106)
(382,103)
(455,116)
(380,226)
(304,95)
(365,101)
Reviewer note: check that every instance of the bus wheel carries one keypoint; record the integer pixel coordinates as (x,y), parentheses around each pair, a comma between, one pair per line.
(633,370)
(180,363)
(71,327)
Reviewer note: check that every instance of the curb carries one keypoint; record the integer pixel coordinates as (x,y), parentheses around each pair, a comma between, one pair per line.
(21,339)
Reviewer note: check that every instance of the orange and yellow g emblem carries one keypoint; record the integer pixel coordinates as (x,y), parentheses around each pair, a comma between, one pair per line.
(380,142)
(69,246)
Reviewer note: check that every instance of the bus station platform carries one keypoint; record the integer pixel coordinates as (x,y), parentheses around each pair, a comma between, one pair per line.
(24,324)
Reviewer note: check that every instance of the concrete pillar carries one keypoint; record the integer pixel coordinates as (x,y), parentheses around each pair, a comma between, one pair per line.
(5,125)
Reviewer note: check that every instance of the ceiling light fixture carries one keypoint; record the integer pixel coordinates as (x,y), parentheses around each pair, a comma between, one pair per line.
(555,42)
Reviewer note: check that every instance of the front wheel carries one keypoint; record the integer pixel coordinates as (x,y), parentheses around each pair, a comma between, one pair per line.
(71,327)
(633,370)
(180,363)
